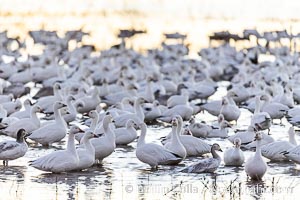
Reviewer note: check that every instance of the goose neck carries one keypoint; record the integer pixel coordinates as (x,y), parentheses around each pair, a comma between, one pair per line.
(138,110)
(141,140)
(71,143)
(214,153)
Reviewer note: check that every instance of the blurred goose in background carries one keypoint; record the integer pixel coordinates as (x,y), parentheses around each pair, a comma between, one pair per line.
(182,99)
(89,102)
(255,166)
(209,165)
(151,111)
(199,129)
(263,119)
(154,154)
(274,151)
(11,150)
(61,160)
(12,106)
(221,131)
(234,156)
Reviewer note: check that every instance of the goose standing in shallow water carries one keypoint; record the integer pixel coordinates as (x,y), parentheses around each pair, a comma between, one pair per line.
(234,156)
(86,155)
(62,160)
(263,119)
(104,146)
(255,166)
(11,150)
(174,145)
(275,150)
(154,154)
(206,165)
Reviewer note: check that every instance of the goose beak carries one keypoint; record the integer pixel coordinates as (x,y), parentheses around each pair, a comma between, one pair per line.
(96,136)
(221,150)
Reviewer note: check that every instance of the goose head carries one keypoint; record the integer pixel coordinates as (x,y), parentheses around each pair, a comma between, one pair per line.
(231,94)
(225,124)
(56,87)
(237,142)
(216,147)
(21,135)
(36,109)
(70,98)
(187,131)
(174,121)
(130,123)
(58,105)
(75,129)
(64,111)
(89,135)
(107,120)
(93,114)
(27,102)
(258,136)
(264,97)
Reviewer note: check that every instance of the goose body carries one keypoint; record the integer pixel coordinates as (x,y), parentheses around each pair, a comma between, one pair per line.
(234,156)
(29,124)
(175,145)
(11,150)
(255,166)
(52,132)
(61,160)
(86,155)
(153,154)
(127,134)
(209,165)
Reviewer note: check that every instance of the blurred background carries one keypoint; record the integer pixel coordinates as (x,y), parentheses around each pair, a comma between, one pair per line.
(103,19)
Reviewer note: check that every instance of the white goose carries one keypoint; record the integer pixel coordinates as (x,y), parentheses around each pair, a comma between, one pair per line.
(293,154)
(199,129)
(104,146)
(52,132)
(221,131)
(86,155)
(234,156)
(153,154)
(89,102)
(11,150)
(151,111)
(12,106)
(255,166)
(174,144)
(182,99)
(209,165)
(62,160)
(29,124)
(193,146)
(185,111)
(263,119)
(274,151)
(23,113)
(138,115)
(127,134)
(46,103)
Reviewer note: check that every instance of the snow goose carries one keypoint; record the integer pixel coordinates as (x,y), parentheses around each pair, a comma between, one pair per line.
(105,145)
(71,115)
(274,151)
(221,131)
(95,120)
(46,103)
(234,156)
(86,155)
(53,131)
(5,98)
(193,146)
(255,166)
(246,136)
(182,99)
(263,119)
(11,150)
(61,160)
(29,124)
(199,129)
(127,134)
(12,106)
(209,165)
(275,110)
(23,113)
(174,145)
(130,91)
(293,154)
(148,93)
(151,111)
(153,154)
(230,110)
(89,102)
(185,111)
(138,115)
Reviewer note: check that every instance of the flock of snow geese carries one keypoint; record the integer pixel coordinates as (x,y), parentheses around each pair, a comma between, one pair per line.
(116,94)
